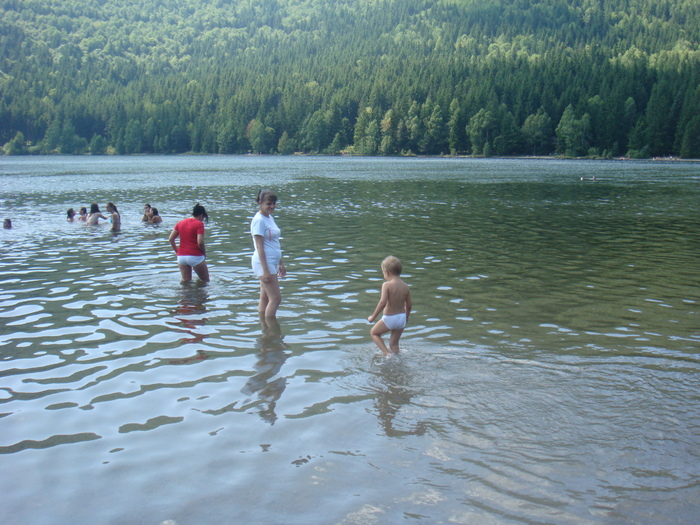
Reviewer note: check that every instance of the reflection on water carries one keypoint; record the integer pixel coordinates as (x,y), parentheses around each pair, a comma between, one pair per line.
(190,310)
(394,393)
(549,372)
(270,358)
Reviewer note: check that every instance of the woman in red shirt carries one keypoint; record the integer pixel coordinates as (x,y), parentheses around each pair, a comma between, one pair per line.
(191,254)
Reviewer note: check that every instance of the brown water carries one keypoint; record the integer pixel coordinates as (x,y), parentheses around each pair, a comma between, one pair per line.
(549,372)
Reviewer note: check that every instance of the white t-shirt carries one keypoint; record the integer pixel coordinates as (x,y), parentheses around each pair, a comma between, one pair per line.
(268,230)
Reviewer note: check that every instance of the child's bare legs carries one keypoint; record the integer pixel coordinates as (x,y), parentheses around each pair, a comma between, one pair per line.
(380,329)
(270,297)
(394,340)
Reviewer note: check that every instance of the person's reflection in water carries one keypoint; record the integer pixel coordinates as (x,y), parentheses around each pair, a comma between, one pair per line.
(394,394)
(271,357)
(190,307)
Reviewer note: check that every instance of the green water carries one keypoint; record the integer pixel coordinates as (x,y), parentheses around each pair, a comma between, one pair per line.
(549,372)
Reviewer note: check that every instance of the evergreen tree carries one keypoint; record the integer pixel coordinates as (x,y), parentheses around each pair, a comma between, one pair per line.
(455,127)
(98,145)
(285,146)
(16,146)
(480,129)
(690,148)
(572,134)
(537,132)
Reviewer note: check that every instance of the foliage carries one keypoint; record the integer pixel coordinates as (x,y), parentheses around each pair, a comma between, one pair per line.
(382,77)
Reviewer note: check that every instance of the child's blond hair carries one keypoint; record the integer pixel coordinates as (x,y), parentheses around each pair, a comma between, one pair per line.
(392,265)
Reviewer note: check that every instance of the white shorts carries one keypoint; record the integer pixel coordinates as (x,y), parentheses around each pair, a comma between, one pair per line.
(190,260)
(272,266)
(395,322)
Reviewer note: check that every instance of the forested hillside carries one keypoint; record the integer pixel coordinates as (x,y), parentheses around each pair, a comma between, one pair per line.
(386,77)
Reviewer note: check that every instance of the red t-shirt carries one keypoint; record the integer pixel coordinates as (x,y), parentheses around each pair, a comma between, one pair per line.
(188,230)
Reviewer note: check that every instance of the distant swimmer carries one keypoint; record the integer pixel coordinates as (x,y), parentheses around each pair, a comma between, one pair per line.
(82,214)
(95,215)
(7,224)
(146,209)
(70,215)
(154,217)
(115,218)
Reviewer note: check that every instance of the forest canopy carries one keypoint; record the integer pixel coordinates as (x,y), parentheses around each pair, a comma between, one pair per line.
(372,77)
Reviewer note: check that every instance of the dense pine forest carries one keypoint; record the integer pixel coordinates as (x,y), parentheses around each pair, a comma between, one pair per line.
(372,77)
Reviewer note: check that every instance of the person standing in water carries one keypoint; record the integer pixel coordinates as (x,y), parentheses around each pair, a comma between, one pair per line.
(267,257)
(191,253)
(114,218)
(70,215)
(395,303)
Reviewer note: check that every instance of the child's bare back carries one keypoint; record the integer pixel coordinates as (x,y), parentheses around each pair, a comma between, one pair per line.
(395,304)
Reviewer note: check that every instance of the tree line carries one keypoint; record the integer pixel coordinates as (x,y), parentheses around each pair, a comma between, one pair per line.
(385,77)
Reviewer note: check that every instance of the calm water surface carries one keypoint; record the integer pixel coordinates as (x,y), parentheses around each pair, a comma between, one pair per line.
(549,373)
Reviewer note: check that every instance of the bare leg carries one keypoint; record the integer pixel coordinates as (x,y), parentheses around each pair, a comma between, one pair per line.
(185,272)
(262,304)
(270,297)
(394,340)
(202,271)
(376,332)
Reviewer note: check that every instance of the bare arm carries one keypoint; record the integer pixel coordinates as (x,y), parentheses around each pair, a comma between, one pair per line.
(383,300)
(173,235)
(200,243)
(260,248)
(409,305)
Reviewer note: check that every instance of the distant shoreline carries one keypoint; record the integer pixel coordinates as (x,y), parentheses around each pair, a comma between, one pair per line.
(299,154)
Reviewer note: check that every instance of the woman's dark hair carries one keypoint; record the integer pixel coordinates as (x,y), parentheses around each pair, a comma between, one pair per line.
(111,204)
(70,212)
(199,210)
(83,210)
(94,208)
(154,210)
(264,195)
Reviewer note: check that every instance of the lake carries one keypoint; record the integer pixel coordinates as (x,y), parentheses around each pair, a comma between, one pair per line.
(549,372)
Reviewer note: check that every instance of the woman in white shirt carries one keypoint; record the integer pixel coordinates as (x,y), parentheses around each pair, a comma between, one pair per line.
(267,258)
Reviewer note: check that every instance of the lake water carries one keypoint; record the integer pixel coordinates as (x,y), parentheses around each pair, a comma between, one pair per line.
(549,374)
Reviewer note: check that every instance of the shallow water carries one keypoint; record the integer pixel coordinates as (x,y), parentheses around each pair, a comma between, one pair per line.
(549,372)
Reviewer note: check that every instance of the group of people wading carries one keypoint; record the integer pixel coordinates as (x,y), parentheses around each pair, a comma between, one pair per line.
(187,241)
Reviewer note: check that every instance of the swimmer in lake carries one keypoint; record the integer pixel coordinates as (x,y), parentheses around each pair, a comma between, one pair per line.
(395,303)
(70,215)
(95,215)
(114,217)
(153,216)
(82,214)
(7,224)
